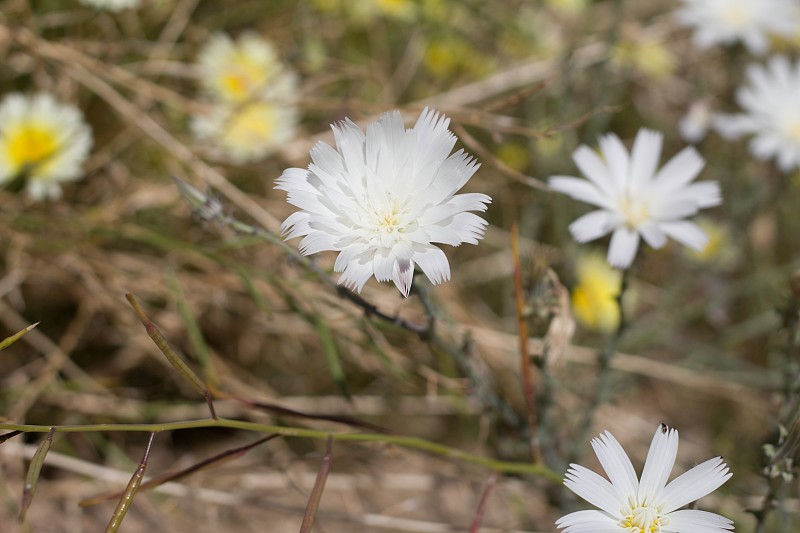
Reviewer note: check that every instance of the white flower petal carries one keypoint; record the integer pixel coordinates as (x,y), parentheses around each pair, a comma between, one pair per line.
(592,226)
(623,246)
(591,166)
(358,271)
(587,522)
(433,263)
(692,485)
(698,522)
(652,235)
(685,232)
(616,464)
(644,158)
(679,171)
(580,190)
(617,158)
(403,275)
(659,463)
(593,488)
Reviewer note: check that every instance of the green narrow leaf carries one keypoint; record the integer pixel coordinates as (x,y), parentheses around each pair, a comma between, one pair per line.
(173,358)
(8,341)
(258,298)
(193,330)
(319,487)
(331,354)
(34,469)
(130,491)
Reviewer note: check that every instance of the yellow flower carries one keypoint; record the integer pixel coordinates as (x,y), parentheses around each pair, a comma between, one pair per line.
(43,140)
(718,249)
(594,297)
(647,56)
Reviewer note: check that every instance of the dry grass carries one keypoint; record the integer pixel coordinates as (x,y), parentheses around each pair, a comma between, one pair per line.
(704,350)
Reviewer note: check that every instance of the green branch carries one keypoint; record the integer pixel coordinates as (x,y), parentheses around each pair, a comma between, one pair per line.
(398,440)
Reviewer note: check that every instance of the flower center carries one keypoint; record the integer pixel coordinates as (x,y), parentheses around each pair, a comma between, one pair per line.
(634,211)
(639,518)
(252,125)
(794,130)
(736,16)
(31,144)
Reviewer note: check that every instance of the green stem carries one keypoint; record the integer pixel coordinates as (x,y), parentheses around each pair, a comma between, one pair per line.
(416,443)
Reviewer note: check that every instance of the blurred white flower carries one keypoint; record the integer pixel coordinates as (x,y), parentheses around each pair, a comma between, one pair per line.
(112,5)
(749,21)
(247,132)
(693,126)
(237,71)
(772,112)
(43,140)
(649,505)
(381,200)
(636,200)
(254,109)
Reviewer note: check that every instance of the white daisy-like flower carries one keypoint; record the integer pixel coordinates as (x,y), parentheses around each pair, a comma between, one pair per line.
(382,199)
(635,199)
(730,21)
(248,131)
(649,505)
(112,5)
(771,112)
(237,71)
(43,140)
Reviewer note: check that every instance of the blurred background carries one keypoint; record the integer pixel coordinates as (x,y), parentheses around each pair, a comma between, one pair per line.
(709,344)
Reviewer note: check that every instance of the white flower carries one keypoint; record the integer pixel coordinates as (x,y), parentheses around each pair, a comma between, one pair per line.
(749,21)
(382,199)
(650,505)
(43,140)
(111,5)
(249,131)
(693,127)
(772,112)
(255,107)
(636,200)
(236,71)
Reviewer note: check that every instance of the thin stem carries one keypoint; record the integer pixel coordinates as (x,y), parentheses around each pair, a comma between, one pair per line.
(603,384)
(415,443)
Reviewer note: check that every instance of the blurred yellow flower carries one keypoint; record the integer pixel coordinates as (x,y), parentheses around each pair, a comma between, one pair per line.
(514,155)
(235,71)
(445,57)
(718,248)
(594,297)
(44,140)
(646,56)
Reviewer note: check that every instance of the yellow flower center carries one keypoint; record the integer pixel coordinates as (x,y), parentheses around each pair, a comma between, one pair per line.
(643,519)
(31,145)
(635,212)
(794,130)
(251,126)
(242,77)
(736,16)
